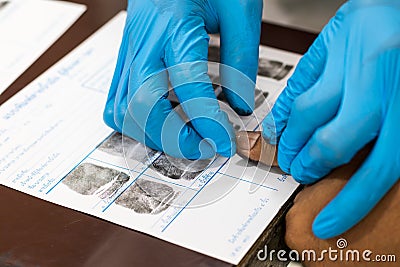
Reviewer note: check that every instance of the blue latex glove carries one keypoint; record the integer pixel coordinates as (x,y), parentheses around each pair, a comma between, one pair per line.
(162,33)
(344,93)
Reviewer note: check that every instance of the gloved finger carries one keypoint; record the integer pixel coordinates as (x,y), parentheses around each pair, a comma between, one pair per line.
(131,128)
(240,40)
(331,146)
(306,74)
(108,114)
(139,51)
(379,172)
(152,112)
(357,123)
(312,109)
(149,109)
(131,80)
(193,87)
(117,98)
(365,189)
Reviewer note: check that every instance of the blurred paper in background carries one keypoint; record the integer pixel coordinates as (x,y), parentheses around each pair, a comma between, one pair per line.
(306,15)
(27,29)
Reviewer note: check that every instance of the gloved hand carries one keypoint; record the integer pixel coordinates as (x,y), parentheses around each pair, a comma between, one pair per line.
(164,33)
(344,93)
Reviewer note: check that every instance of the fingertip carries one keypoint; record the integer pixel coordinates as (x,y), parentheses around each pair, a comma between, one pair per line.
(326,225)
(242,103)
(212,124)
(223,139)
(238,88)
(108,113)
(231,149)
(302,174)
(269,130)
(277,118)
(203,151)
(226,147)
(282,162)
(285,156)
(297,173)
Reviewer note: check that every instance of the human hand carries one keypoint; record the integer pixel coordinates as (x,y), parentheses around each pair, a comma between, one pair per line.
(344,93)
(162,34)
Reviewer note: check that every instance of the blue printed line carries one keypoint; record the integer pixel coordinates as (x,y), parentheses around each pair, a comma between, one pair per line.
(79,163)
(140,174)
(244,180)
(173,219)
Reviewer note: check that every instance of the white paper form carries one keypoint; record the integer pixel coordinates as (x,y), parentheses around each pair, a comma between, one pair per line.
(27,29)
(55,146)
(274,67)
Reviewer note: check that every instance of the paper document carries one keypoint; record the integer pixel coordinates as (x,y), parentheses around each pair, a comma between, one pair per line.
(27,29)
(55,146)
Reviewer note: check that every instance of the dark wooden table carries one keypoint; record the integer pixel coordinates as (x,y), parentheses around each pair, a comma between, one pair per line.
(37,233)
